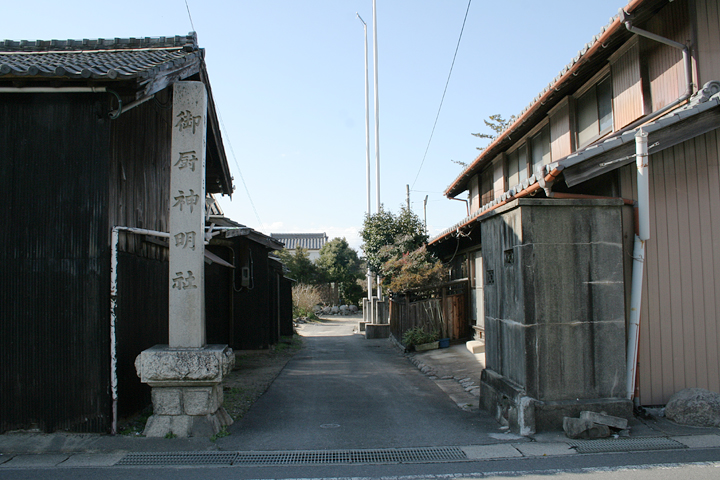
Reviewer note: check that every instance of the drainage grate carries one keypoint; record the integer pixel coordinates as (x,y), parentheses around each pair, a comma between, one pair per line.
(625,444)
(334,457)
(179,458)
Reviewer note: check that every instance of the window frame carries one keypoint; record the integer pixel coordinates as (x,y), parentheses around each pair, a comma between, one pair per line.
(591,87)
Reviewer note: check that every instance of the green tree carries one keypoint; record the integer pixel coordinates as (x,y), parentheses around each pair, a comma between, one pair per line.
(339,264)
(383,229)
(301,268)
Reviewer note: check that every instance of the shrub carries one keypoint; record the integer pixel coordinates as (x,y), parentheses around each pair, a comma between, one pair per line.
(305,299)
(418,336)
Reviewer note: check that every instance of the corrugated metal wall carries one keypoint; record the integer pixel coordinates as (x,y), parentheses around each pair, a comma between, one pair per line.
(680,324)
(54,258)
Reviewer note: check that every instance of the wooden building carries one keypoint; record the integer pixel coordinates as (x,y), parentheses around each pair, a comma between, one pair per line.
(85,131)
(653,67)
(312,242)
(249,299)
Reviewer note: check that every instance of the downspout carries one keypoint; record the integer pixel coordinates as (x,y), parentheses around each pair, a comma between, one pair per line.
(643,208)
(642,235)
(686,62)
(115,239)
(467,204)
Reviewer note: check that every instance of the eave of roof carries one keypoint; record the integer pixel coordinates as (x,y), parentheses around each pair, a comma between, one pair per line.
(705,102)
(152,62)
(253,235)
(148,64)
(459,185)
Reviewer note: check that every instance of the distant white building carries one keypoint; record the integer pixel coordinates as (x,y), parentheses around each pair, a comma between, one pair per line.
(312,242)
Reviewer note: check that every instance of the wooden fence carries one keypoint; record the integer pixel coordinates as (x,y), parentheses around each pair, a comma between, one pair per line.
(442,307)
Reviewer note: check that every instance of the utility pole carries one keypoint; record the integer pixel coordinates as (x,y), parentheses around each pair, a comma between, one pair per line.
(377,110)
(425,212)
(367,157)
(407,194)
(377,126)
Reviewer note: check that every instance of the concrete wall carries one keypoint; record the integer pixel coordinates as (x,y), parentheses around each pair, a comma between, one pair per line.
(554,311)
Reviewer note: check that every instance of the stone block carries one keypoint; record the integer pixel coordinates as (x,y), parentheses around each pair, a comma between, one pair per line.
(475,346)
(165,366)
(377,330)
(200,400)
(604,419)
(580,428)
(167,401)
(361,326)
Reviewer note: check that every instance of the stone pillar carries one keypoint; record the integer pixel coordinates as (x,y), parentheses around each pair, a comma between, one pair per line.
(186,375)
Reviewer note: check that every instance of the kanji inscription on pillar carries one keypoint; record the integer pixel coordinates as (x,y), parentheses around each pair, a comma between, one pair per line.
(187,216)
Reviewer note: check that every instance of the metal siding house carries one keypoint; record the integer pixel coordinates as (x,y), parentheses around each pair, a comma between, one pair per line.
(85,131)
(559,150)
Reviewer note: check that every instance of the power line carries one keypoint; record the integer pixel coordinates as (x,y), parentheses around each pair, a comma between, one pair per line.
(237,165)
(443,95)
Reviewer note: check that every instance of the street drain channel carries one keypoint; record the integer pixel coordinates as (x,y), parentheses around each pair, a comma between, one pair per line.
(179,458)
(300,457)
(612,445)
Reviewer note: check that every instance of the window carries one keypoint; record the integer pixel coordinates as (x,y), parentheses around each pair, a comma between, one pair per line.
(594,112)
(540,153)
(517,166)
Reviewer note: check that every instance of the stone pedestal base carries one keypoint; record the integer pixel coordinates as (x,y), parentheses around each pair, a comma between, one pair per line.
(510,405)
(187,390)
(376,330)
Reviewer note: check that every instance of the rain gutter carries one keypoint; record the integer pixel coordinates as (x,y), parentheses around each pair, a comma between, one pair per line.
(529,187)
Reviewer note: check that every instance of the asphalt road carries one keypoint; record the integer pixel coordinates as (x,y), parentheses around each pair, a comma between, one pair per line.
(341,391)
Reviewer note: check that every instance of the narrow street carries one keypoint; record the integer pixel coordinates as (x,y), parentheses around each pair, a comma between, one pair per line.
(342,391)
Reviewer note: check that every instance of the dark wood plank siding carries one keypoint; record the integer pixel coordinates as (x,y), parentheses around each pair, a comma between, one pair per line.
(142,321)
(54,337)
(140,175)
(138,185)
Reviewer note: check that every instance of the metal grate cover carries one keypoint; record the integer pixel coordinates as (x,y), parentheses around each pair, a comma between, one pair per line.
(334,457)
(624,444)
(300,457)
(179,458)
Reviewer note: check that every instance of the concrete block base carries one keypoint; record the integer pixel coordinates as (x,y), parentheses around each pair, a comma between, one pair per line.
(187,392)
(361,326)
(475,347)
(525,415)
(187,425)
(377,330)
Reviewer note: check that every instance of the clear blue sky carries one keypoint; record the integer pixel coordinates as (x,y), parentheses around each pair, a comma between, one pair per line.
(288,81)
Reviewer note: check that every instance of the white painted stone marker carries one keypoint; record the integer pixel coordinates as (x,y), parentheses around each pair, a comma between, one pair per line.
(186,375)
(187,216)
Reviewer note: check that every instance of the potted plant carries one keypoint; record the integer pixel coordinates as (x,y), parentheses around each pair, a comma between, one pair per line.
(421,340)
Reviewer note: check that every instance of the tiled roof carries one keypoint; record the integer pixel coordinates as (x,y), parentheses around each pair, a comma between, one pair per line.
(130,58)
(707,98)
(310,241)
(566,74)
